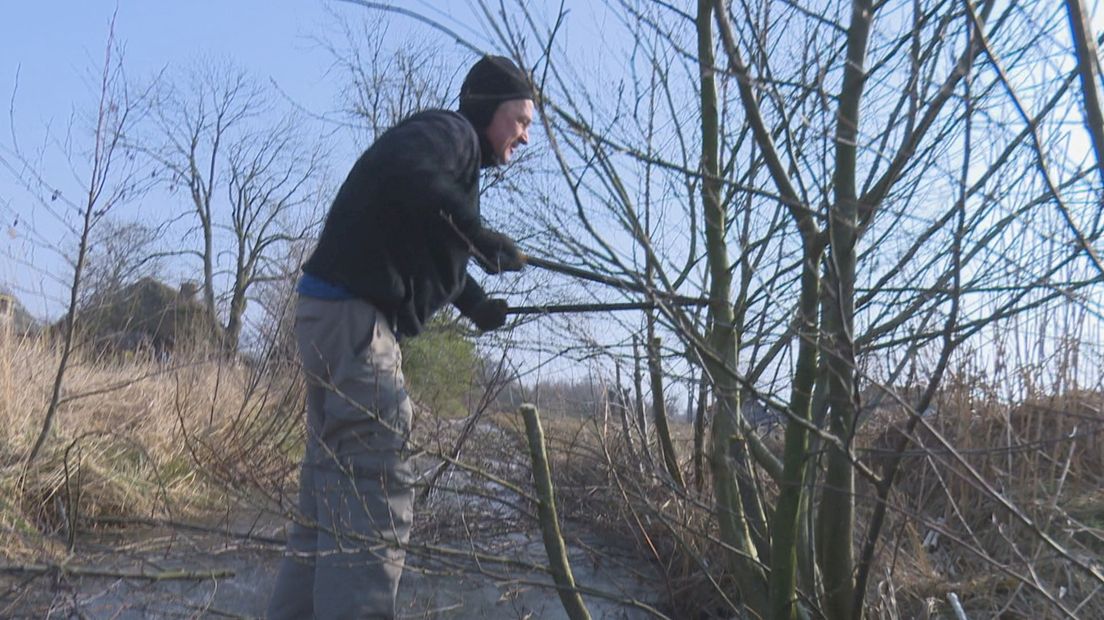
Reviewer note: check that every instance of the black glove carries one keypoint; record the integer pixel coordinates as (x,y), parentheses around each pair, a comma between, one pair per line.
(488,314)
(495,252)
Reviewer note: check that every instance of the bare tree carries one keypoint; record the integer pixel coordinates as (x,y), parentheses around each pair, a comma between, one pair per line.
(251,181)
(273,198)
(383,83)
(120,253)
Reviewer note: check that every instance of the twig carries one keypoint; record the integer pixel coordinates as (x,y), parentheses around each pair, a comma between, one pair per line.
(624,285)
(194,527)
(85,571)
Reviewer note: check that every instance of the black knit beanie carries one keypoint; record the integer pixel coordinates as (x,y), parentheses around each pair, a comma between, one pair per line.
(491,81)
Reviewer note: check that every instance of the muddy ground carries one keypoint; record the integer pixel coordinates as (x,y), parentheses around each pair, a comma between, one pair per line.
(242,565)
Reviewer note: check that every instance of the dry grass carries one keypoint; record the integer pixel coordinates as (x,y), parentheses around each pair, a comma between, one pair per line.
(134,438)
(948,533)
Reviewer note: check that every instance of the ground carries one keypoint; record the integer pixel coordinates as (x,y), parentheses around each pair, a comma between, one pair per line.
(231,576)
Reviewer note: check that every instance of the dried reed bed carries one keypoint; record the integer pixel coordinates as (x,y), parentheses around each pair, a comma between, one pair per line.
(951,531)
(135,437)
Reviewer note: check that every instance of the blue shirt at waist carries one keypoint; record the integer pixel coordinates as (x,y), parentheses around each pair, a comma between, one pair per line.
(313,286)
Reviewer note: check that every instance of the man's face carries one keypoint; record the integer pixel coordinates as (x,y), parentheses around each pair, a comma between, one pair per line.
(509,127)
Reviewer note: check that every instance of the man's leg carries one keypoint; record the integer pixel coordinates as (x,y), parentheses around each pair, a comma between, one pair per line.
(365,514)
(362,481)
(293,595)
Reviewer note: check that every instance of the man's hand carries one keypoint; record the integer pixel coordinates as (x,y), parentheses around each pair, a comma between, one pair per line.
(488,314)
(495,252)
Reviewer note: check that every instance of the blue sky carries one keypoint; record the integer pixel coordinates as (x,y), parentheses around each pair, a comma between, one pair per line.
(51,51)
(54,44)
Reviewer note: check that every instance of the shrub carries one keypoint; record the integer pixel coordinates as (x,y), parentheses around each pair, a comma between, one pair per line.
(440,365)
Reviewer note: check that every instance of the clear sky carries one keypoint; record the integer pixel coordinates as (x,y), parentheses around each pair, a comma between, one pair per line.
(50,51)
(54,44)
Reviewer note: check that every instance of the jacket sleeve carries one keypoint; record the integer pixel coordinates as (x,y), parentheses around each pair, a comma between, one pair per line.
(430,167)
(470,296)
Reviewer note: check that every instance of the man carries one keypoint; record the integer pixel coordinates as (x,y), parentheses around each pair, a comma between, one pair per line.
(393,251)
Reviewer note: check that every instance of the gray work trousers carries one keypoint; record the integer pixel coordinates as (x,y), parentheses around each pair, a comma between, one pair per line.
(356,497)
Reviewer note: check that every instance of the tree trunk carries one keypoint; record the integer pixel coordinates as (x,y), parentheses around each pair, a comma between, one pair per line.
(699,431)
(238,302)
(836,518)
(638,393)
(726,441)
(659,409)
(787,522)
(70,328)
(622,404)
(208,264)
(549,522)
(1087,66)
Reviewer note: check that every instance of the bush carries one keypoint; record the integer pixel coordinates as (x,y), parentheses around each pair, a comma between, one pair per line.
(440,366)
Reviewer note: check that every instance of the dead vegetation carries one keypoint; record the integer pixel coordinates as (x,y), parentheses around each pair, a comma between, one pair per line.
(139,438)
(188,441)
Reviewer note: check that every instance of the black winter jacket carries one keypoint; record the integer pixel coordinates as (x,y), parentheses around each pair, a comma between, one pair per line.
(388,237)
